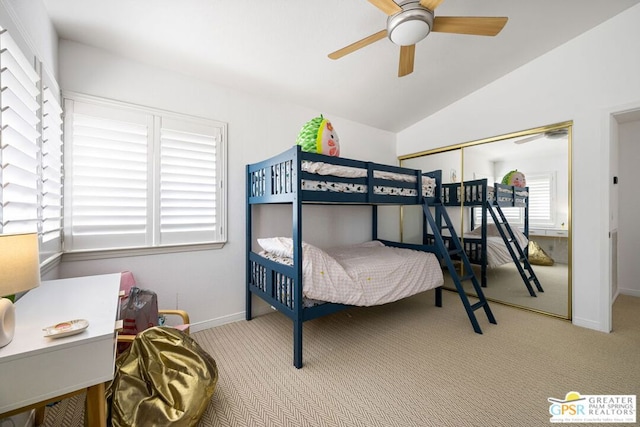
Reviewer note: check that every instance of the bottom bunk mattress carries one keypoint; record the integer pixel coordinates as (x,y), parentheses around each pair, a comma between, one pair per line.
(365,274)
(497,251)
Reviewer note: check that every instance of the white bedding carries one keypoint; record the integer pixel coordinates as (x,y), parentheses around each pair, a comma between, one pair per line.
(497,251)
(321,168)
(365,274)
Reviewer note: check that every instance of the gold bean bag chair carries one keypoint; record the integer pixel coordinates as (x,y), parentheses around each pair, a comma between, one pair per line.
(164,379)
(537,256)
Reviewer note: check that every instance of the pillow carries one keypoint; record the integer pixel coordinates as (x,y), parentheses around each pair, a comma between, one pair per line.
(369,244)
(515,178)
(283,246)
(318,136)
(280,246)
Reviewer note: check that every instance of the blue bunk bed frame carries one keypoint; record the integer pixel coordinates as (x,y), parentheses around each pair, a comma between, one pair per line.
(277,180)
(474,194)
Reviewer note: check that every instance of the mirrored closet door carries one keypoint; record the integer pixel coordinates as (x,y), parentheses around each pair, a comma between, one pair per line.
(540,157)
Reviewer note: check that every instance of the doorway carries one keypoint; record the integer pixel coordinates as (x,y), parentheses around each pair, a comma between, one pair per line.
(625,229)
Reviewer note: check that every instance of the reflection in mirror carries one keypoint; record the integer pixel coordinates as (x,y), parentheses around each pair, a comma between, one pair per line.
(449,162)
(540,220)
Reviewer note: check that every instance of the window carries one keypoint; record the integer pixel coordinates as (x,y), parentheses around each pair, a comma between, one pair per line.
(542,199)
(30,149)
(20,146)
(138,177)
(541,204)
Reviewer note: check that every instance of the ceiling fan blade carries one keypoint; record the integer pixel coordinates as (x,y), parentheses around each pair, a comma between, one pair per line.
(358,45)
(473,25)
(431,4)
(528,138)
(407,55)
(387,6)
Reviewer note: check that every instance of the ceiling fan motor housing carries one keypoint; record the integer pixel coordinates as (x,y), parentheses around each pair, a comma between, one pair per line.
(413,24)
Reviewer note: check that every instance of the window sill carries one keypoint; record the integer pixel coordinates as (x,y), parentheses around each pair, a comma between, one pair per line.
(50,264)
(129,252)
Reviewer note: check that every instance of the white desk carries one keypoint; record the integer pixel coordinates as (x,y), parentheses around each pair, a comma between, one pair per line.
(35,369)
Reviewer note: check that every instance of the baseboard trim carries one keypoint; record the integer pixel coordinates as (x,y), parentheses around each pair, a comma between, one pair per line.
(630,292)
(212,323)
(589,324)
(259,308)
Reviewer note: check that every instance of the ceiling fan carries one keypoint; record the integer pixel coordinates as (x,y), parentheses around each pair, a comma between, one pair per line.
(410,21)
(550,134)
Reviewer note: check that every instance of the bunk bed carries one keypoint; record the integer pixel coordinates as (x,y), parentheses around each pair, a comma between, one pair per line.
(486,244)
(277,273)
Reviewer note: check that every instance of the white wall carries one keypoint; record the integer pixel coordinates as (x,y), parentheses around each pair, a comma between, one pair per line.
(211,284)
(584,80)
(628,229)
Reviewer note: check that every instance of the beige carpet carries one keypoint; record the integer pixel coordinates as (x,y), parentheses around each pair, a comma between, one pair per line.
(410,364)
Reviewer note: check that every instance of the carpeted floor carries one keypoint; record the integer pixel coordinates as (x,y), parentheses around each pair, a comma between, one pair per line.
(409,364)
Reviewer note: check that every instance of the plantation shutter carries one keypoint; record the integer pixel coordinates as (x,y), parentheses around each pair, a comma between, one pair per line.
(19,147)
(515,216)
(107,189)
(188,182)
(51,167)
(140,178)
(541,199)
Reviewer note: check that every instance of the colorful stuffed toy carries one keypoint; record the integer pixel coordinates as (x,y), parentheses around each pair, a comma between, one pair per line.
(515,178)
(318,136)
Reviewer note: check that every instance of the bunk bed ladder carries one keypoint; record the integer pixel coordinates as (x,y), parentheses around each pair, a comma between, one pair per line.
(518,255)
(437,225)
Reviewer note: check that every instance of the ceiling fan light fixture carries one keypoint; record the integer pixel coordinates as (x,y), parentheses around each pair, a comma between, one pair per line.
(409,32)
(557,133)
(408,27)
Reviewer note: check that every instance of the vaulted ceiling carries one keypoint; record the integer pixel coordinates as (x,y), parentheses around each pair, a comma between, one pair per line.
(278,48)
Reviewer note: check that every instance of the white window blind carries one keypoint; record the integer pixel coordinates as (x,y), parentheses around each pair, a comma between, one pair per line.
(188,182)
(51,167)
(19,147)
(106,190)
(138,177)
(541,199)
(515,216)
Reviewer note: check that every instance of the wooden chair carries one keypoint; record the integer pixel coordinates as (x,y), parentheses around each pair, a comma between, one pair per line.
(127,282)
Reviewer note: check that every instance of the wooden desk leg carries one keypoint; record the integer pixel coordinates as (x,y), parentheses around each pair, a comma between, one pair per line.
(96,406)
(39,415)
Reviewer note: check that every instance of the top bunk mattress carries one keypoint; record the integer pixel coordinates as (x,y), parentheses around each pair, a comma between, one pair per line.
(473,193)
(328,169)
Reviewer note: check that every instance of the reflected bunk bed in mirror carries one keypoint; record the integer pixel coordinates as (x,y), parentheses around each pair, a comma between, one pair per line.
(494,242)
(545,154)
